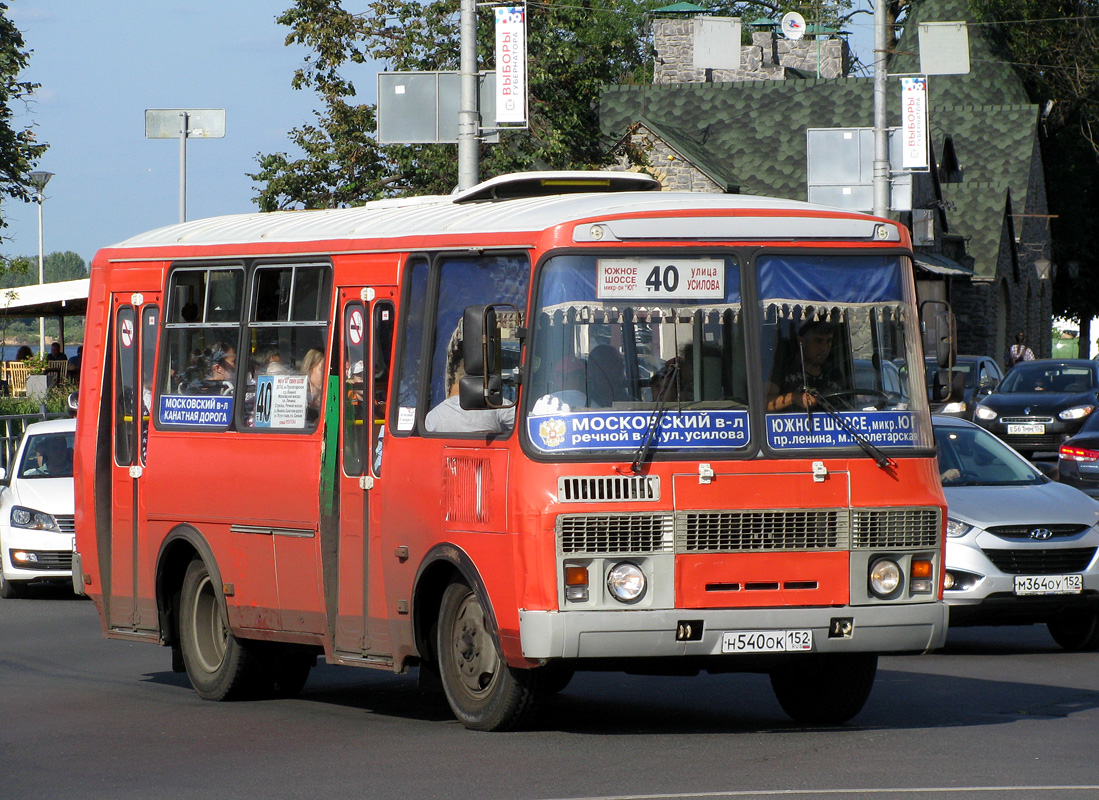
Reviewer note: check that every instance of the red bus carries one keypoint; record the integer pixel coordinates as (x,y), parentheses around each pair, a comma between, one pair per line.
(556,422)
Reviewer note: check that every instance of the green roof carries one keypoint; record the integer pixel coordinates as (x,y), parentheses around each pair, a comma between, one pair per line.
(752,134)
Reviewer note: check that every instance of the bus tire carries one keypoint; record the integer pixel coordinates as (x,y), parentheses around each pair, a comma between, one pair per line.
(1076,630)
(484,693)
(219,666)
(288,670)
(824,689)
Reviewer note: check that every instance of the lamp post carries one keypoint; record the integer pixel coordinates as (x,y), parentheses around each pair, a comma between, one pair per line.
(40,179)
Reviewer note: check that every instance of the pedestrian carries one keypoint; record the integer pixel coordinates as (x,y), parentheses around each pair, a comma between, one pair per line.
(1018,351)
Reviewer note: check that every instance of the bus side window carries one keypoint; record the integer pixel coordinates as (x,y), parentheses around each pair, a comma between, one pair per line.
(410,355)
(202,331)
(384,319)
(287,373)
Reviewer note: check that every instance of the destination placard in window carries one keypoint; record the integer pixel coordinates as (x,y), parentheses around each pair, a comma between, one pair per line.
(624,430)
(659,279)
(804,431)
(281,401)
(207,411)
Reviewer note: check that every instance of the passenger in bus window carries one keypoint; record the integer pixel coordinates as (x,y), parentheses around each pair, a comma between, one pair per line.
(268,361)
(221,369)
(449,416)
(606,376)
(809,374)
(312,364)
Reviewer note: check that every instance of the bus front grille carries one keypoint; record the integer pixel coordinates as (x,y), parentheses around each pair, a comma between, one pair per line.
(615,533)
(608,489)
(747,531)
(878,528)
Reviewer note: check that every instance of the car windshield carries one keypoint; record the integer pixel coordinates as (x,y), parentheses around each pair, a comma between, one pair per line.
(971,456)
(1055,377)
(964,367)
(48,455)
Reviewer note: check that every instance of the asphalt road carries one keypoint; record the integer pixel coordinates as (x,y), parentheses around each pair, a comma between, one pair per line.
(1000,713)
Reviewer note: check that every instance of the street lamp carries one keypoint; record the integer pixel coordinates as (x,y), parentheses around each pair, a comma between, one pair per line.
(39,179)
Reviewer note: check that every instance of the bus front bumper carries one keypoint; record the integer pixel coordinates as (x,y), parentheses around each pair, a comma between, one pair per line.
(916,627)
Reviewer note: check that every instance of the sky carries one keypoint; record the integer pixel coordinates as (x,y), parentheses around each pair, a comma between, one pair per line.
(102,63)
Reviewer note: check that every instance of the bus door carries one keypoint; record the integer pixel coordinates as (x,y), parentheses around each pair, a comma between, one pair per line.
(368,317)
(136,326)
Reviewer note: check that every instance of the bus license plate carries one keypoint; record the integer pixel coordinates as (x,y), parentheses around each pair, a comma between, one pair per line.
(766,641)
(1048,584)
(1031,428)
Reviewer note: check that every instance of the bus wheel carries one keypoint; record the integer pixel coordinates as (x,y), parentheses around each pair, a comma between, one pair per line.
(219,666)
(824,689)
(289,670)
(1075,630)
(484,693)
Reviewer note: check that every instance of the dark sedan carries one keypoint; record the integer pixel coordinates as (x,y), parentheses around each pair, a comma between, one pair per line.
(1078,458)
(974,378)
(1041,403)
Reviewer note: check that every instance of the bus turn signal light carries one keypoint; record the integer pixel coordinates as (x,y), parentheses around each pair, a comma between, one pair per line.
(576,576)
(921,568)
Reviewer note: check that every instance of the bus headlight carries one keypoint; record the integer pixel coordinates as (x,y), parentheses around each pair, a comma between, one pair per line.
(626,582)
(885,577)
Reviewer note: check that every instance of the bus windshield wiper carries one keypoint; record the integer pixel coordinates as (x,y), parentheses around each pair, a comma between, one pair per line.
(671,380)
(880,458)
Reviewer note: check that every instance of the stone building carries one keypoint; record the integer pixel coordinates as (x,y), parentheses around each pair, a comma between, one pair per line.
(978,217)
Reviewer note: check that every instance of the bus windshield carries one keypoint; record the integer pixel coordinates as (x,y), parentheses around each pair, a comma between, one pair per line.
(626,349)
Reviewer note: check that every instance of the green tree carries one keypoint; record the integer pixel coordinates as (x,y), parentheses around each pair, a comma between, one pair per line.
(1054,45)
(19,150)
(574,50)
(56,266)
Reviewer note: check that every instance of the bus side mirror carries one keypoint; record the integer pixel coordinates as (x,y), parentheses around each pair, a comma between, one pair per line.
(482,351)
(937,324)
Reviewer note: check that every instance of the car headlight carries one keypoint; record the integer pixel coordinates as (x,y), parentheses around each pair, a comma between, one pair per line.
(885,577)
(626,582)
(35,520)
(955,528)
(1079,412)
(954,408)
(985,413)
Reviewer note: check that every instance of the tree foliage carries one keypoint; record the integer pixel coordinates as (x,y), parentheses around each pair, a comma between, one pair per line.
(1054,45)
(575,49)
(19,150)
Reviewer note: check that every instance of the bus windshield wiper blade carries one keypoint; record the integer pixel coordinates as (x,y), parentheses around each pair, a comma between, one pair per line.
(671,380)
(880,458)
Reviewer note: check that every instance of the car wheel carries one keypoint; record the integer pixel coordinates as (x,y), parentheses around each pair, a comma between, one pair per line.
(1076,630)
(219,666)
(824,689)
(484,693)
(9,590)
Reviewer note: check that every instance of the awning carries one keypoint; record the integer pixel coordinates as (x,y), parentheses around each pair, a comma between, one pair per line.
(61,299)
(941,265)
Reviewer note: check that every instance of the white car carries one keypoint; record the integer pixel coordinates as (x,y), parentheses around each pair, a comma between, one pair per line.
(36,509)
(1020,548)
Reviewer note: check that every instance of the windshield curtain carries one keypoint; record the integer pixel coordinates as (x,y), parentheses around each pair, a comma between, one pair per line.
(633,347)
(837,342)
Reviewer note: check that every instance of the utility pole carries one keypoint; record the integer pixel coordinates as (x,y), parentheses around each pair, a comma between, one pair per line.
(881,135)
(468,116)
